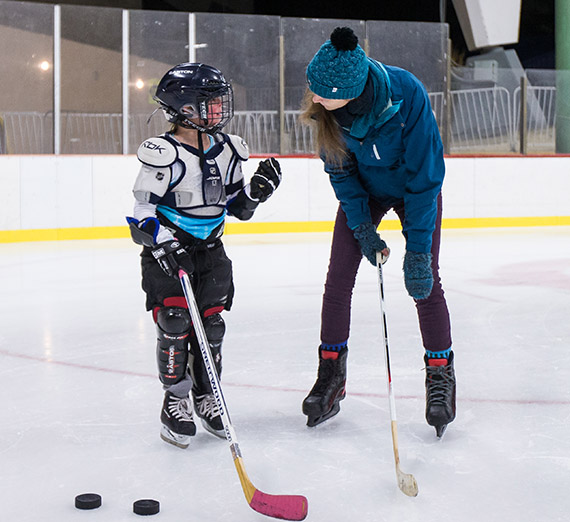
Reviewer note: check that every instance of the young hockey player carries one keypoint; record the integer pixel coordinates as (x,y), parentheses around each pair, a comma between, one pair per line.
(190,179)
(381,147)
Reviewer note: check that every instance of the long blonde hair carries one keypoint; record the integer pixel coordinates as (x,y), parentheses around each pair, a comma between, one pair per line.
(328,134)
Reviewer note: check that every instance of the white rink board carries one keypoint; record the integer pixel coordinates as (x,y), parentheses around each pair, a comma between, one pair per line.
(54,192)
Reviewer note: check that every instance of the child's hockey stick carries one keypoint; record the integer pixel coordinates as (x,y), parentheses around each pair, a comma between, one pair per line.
(288,507)
(406,482)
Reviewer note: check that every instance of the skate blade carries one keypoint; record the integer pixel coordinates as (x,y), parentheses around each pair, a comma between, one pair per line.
(218,433)
(180,441)
(314,421)
(440,430)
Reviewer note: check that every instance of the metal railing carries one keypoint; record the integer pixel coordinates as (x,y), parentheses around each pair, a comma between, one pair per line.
(481,121)
(88,133)
(259,129)
(541,118)
(27,133)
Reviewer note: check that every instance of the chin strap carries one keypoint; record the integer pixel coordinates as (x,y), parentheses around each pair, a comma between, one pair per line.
(202,156)
(152,114)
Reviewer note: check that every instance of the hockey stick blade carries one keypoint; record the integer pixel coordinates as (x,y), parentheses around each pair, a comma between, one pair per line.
(286,507)
(407,483)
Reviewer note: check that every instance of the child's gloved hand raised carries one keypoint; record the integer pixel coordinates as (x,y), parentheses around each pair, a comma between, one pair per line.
(265,180)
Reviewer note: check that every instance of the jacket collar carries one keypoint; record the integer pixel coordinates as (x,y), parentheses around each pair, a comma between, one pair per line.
(383,108)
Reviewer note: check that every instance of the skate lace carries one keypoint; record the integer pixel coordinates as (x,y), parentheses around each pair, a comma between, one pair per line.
(206,406)
(180,409)
(440,380)
(325,374)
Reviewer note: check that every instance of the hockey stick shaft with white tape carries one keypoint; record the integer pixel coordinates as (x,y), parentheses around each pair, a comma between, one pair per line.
(287,507)
(406,482)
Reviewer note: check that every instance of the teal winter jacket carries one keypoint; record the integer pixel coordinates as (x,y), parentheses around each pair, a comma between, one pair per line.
(395,155)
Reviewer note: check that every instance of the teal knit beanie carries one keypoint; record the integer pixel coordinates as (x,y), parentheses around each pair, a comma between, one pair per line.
(339,69)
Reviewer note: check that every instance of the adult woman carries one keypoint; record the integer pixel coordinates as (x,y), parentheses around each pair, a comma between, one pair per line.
(381,147)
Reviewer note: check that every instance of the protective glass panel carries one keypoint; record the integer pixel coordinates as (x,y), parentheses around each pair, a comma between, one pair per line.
(91,86)
(157,42)
(418,47)
(246,49)
(561,122)
(303,37)
(26,69)
(547,129)
(485,110)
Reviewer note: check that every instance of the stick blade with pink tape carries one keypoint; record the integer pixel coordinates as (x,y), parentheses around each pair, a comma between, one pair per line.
(286,507)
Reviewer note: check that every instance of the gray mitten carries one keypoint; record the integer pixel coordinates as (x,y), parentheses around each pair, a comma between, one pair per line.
(418,276)
(369,241)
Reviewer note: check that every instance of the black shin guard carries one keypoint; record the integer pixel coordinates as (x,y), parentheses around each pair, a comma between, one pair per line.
(215,328)
(173,327)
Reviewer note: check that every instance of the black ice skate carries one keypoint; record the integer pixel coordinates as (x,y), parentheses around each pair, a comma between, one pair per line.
(177,420)
(440,393)
(204,402)
(206,408)
(323,401)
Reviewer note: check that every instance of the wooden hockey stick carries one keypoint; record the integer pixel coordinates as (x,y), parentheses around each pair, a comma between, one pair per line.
(406,482)
(287,507)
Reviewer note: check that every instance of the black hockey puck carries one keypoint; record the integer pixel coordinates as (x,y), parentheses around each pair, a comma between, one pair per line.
(88,501)
(146,506)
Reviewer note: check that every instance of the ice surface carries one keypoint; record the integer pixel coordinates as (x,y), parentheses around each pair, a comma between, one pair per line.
(81,400)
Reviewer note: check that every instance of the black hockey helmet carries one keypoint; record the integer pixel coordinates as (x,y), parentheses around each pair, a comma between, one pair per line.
(196,95)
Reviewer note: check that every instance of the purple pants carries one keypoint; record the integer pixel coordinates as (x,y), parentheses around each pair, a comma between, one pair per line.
(344,261)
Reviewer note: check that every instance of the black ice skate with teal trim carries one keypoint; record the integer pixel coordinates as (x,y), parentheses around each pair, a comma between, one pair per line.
(440,392)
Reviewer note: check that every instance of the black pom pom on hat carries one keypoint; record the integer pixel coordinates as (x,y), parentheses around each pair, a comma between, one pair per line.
(344,39)
(339,69)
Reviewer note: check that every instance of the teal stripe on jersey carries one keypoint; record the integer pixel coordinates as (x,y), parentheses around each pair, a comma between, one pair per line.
(199,228)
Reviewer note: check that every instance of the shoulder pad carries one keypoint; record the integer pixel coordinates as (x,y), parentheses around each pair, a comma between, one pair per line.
(157,152)
(239,146)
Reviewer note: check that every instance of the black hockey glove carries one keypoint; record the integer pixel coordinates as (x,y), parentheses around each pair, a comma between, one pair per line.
(172,256)
(265,180)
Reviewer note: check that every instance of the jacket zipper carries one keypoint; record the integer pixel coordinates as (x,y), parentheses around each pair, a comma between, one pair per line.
(375,151)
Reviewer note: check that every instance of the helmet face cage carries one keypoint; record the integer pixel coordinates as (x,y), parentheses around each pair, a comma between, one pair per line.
(196,96)
(210,112)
